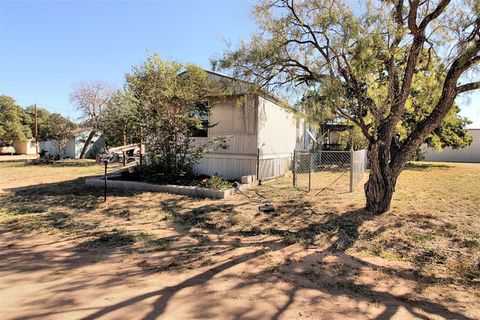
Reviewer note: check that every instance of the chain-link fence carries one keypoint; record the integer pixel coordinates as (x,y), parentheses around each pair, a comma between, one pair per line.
(328,171)
(302,168)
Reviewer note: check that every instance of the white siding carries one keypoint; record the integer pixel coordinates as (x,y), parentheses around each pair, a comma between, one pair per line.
(233,115)
(238,118)
(74,145)
(234,119)
(277,138)
(25,147)
(302,137)
(52,149)
(277,130)
(468,154)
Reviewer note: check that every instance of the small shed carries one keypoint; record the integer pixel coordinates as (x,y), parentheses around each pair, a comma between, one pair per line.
(25,147)
(75,144)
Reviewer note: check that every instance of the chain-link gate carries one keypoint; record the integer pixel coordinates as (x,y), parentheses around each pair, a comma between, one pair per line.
(328,171)
(302,167)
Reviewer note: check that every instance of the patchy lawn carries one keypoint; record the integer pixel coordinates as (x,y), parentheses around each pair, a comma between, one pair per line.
(66,254)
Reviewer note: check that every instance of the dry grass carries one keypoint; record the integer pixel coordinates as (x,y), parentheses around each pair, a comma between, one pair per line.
(434,221)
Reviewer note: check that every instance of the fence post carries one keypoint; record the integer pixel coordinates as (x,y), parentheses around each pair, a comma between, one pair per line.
(258,164)
(310,171)
(351,169)
(319,160)
(293,168)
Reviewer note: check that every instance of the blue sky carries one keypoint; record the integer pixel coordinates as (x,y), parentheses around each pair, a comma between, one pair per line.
(47,46)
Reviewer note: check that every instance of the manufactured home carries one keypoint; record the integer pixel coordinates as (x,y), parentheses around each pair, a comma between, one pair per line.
(258,132)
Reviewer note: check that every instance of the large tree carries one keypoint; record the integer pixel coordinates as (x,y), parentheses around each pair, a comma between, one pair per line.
(369,63)
(91,99)
(12,121)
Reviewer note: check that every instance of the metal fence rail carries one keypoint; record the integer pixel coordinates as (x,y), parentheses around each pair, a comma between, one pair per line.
(328,171)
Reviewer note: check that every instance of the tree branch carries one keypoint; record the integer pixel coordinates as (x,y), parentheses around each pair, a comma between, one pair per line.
(468,87)
(434,14)
(358,121)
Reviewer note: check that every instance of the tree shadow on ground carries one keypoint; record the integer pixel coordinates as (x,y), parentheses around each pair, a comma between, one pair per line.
(343,230)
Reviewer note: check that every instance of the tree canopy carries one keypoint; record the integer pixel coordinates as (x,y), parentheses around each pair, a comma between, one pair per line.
(59,130)
(12,121)
(122,119)
(91,99)
(393,67)
(17,123)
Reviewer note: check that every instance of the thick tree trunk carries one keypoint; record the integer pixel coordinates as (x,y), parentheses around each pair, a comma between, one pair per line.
(87,143)
(379,191)
(381,183)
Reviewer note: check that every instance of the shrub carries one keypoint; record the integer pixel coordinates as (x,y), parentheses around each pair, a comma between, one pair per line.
(172,96)
(216,182)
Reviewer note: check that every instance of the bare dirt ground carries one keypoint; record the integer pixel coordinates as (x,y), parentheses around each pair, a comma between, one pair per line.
(64,254)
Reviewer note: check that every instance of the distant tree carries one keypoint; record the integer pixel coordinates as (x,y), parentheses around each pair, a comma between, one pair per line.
(374,65)
(58,130)
(91,99)
(122,119)
(314,110)
(12,121)
(452,132)
(171,96)
(42,118)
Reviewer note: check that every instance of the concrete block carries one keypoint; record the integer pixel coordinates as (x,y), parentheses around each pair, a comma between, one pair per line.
(248,179)
(175,189)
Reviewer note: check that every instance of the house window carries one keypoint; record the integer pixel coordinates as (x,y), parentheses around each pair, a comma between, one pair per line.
(203,131)
(200,112)
(231,116)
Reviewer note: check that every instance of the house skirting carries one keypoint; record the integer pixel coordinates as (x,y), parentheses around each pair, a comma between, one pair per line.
(231,166)
(227,166)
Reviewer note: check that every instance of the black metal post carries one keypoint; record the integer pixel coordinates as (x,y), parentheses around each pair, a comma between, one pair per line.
(105,190)
(141,146)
